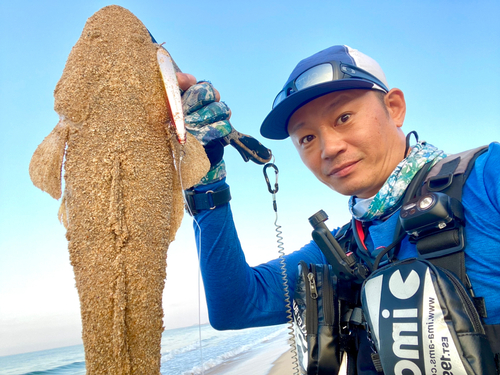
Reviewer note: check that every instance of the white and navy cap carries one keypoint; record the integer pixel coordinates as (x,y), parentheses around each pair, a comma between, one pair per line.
(351,69)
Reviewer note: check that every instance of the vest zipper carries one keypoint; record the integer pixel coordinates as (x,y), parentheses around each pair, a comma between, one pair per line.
(311,276)
(327,296)
(312,303)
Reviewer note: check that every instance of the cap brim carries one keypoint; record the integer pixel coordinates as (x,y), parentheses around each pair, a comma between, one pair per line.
(276,122)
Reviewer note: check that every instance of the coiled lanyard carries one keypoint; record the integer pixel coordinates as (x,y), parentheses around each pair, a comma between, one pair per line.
(281,251)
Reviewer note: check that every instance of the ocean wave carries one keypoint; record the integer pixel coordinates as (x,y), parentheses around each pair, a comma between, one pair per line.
(213,362)
(191,341)
(182,352)
(75,368)
(167,355)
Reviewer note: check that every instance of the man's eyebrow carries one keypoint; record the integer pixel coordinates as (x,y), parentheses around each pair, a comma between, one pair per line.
(341,99)
(295,126)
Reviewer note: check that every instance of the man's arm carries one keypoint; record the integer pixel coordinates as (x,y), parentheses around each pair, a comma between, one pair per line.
(481,199)
(240,296)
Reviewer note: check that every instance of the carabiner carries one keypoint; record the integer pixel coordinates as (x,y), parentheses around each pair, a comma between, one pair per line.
(276,171)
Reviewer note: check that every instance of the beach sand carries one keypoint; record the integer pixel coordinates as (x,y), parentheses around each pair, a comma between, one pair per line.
(273,358)
(283,365)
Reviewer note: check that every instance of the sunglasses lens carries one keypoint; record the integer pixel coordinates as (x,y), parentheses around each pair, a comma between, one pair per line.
(279,98)
(315,75)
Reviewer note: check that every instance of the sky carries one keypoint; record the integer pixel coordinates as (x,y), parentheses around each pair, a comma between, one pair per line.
(443,54)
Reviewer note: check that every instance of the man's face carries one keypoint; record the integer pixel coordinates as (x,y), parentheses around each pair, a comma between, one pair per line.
(350,140)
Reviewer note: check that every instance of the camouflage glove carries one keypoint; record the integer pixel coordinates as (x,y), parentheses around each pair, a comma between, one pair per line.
(208,121)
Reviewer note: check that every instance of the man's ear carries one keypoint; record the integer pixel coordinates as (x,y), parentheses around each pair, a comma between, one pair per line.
(396,106)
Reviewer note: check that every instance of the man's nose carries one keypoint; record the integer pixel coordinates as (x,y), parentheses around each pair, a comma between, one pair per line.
(332,144)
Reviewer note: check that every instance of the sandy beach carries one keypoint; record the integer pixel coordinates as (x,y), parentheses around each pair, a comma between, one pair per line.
(283,365)
(273,358)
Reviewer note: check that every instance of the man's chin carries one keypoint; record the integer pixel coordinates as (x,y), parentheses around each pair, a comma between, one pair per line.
(349,191)
(343,190)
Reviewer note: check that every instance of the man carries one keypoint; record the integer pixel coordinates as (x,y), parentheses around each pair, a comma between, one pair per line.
(346,125)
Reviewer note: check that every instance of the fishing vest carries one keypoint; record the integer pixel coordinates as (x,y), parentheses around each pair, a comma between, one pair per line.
(414,316)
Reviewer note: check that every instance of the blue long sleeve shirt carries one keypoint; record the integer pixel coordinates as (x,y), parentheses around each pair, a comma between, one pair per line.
(240,296)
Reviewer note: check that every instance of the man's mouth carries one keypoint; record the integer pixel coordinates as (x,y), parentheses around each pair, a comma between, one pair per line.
(343,169)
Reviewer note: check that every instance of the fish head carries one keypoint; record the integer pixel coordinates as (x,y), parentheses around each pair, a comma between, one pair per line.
(113,60)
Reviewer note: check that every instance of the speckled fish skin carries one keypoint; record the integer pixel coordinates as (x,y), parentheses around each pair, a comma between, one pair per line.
(122,202)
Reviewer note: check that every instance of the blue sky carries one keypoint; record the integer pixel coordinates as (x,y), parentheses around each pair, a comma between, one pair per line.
(443,54)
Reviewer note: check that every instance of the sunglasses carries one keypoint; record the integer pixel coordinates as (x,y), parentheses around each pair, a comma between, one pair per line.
(326,72)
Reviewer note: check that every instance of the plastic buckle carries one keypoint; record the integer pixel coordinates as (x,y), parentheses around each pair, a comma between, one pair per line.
(189,205)
(209,200)
(439,183)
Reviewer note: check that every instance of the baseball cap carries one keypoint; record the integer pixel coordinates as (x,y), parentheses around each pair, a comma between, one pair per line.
(333,69)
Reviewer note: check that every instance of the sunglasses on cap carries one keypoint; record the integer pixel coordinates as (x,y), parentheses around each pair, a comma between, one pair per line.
(326,72)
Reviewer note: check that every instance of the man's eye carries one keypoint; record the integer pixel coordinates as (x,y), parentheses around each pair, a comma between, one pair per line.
(344,118)
(306,139)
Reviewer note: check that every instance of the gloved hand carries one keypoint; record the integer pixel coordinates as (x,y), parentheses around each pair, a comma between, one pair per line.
(208,120)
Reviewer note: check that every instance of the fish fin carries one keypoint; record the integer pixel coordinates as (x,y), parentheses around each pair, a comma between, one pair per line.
(191,164)
(194,162)
(46,163)
(63,212)
(177,212)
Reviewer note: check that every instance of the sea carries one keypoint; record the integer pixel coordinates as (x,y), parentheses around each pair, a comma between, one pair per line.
(182,352)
